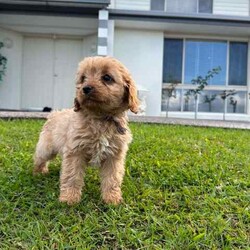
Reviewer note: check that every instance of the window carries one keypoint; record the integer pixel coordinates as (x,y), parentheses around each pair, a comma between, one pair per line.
(202,56)
(158,5)
(173,50)
(185,59)
(205,6)
(211,101)
(188,102)
(180,6)
(190,6)
(237,103)
(174,102)
(238,63)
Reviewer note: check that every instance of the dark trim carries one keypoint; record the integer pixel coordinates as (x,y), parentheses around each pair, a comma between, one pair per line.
(103,24)
(158,16)
(56,2)
(48,10)
(102,41)
(46,7)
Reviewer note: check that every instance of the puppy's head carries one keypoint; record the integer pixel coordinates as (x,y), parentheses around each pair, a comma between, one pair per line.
(104,85)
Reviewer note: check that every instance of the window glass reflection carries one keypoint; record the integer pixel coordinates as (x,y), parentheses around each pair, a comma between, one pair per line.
(237,103)
(174,101)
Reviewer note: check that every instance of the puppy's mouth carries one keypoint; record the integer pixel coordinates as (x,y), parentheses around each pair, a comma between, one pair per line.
(92,98)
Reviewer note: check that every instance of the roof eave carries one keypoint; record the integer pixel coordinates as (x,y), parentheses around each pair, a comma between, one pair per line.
(55,7)
(156,16)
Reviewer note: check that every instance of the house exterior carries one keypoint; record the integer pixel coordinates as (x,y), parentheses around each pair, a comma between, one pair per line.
(160,41)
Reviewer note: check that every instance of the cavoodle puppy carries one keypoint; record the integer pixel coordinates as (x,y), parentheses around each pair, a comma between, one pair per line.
(95,132)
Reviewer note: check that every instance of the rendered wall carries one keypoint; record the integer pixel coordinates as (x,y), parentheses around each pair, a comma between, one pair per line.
(231,7)
(11,85)
(89,45)
(142,53)
(130,5)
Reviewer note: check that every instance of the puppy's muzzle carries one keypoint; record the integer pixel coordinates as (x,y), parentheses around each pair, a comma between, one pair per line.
(87,90)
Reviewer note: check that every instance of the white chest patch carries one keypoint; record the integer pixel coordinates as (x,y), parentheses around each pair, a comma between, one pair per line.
(102,151)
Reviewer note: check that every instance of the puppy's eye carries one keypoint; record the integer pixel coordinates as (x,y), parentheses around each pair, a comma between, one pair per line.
(82,79)
(107,78)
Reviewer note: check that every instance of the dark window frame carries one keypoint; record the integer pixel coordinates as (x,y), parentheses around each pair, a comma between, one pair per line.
(235,69)
(178,58)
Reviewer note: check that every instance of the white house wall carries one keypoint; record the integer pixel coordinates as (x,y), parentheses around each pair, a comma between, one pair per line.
(10,88)
(130,5)
(231,7)
(49,69)
(89,45)
(12,95)
(58,25)
(142,53)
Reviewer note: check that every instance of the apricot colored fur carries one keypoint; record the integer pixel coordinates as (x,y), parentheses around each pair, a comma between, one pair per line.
(95,132)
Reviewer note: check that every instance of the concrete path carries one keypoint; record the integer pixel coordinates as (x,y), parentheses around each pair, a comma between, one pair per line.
(144,119)
(191,122)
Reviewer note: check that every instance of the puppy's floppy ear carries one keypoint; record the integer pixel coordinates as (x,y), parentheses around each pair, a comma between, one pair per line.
(77,106)
(133,101)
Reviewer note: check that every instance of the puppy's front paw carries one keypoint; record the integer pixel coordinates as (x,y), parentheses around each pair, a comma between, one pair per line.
(112,198)
(71,196)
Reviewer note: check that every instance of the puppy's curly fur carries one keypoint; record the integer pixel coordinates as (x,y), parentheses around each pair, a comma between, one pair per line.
(95,132)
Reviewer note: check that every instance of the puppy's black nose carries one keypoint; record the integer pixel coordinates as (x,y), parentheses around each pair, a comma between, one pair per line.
(87,90)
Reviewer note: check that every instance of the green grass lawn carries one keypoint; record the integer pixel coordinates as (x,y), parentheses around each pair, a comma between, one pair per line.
(185,188)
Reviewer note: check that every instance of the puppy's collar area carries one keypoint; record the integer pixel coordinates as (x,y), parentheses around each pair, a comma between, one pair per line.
(120,129)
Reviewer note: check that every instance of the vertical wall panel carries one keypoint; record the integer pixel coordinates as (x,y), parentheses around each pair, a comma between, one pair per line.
(67,56)
(231,7)
(131,5)
(37,75)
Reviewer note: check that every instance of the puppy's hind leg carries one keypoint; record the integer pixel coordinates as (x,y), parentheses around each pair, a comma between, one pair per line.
(44,153)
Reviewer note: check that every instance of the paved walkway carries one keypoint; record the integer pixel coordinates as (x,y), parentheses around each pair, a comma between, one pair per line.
(192,122)
(145,119)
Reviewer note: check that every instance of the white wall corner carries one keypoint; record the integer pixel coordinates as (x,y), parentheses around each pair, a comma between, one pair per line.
(103,15)
(111,29)
(102,51)
(102,32)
